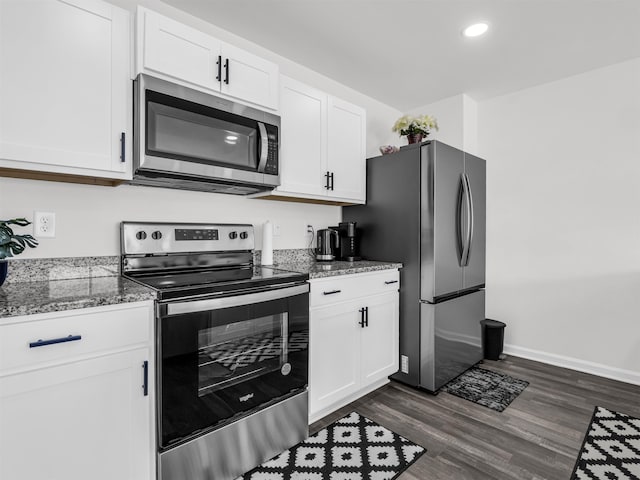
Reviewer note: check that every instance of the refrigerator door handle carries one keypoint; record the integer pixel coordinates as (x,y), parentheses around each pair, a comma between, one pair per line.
(463,220)
(470,219)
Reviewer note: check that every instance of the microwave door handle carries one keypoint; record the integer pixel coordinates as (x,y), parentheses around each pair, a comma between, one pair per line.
(264,147)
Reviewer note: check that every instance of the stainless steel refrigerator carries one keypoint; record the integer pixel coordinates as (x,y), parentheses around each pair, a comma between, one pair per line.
(426,208)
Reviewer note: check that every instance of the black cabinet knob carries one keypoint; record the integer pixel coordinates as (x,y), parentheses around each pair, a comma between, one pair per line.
(233,235)
(243,235)
(157,235)
(141,235)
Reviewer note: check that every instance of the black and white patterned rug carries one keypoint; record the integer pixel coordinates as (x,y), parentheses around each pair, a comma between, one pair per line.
(352,448)
(484,387)
(611,448)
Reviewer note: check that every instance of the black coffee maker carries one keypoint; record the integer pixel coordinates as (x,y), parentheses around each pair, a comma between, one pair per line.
(349,249)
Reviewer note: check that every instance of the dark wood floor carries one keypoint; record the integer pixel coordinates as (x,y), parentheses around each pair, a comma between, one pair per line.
(537,437)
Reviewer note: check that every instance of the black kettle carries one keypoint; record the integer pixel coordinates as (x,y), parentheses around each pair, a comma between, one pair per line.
(327,244)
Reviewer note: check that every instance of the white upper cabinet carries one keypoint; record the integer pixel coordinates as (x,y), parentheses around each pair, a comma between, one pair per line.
(322,146)
(178,51)
(185,54)
(65,95)
(303,138)
(347,150)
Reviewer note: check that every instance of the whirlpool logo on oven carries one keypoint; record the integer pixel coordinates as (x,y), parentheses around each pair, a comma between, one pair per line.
(246,398)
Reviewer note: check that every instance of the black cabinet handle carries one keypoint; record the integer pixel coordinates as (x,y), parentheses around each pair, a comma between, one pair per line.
(366,316)
(331,180)
(362,320)
(53,341)
(326,182)
(122,147)
(226,71)
(219,64)
(389,282)
(145,377)
(331,292)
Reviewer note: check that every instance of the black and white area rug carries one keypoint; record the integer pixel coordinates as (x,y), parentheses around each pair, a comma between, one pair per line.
(484,387)
(611,448)
(353,448)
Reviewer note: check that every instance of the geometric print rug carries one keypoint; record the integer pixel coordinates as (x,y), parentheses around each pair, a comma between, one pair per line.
(611,448)
(487,388)
(352,448)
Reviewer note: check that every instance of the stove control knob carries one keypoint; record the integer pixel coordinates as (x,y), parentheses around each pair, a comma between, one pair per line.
(157,235)
(233,235)
(243,235)
(141,235)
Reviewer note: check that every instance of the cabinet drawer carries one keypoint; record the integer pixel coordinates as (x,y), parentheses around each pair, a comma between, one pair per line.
(57,339)
(325,291)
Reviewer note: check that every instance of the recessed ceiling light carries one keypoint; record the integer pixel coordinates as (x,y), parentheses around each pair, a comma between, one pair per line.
(475,30)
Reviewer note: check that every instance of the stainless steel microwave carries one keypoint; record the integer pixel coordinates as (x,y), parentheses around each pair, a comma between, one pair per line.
(190,140)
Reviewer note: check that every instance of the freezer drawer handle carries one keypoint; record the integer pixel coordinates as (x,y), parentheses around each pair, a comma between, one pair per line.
(331,292)
(53,341)
(389,282)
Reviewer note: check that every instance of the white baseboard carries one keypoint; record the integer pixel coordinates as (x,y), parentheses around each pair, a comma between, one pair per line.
(571,363)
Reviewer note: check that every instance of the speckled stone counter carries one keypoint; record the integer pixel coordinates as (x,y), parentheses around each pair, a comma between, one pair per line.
(331,269)
(27,298)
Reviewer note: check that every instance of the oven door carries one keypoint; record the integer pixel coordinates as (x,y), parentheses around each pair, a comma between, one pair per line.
(221,359)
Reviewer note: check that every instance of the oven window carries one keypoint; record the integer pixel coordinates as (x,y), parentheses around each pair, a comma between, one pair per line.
(233,353)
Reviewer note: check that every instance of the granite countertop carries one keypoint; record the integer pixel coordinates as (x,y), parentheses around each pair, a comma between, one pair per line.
(331,269)
(27,298)
(53,285)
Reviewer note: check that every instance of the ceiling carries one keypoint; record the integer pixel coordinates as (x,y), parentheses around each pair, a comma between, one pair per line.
(409,53)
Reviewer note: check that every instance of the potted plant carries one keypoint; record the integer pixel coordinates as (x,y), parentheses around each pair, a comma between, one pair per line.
(415,128)
(12,244)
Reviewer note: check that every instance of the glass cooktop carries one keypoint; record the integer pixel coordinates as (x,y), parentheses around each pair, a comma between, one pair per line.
(211,281)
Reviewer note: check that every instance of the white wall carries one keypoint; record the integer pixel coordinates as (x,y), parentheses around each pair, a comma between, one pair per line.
(457,121)
(563,222)
(88,216)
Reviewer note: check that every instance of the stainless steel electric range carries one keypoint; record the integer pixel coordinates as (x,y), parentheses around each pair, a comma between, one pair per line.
(231,347)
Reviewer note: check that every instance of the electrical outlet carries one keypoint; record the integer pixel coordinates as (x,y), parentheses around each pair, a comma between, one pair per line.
(44,224)
(308,230)
(276,229)
(404,364)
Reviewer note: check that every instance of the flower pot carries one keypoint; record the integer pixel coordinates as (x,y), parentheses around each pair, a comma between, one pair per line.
(4,266)
(415,138)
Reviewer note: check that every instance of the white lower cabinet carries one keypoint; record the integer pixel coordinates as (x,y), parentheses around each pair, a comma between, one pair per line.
(84,415)
(353,338)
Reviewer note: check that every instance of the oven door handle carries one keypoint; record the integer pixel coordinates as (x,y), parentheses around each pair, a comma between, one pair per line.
(234,301)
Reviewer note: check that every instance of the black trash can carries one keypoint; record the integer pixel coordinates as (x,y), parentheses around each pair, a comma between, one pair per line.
(492,338)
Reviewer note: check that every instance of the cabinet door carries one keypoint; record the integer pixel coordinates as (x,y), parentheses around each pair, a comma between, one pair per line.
(347,150)
(64,71)
(248,77)
(82,420)
(379,341)
(179,51)
(334,355)
(303,139)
